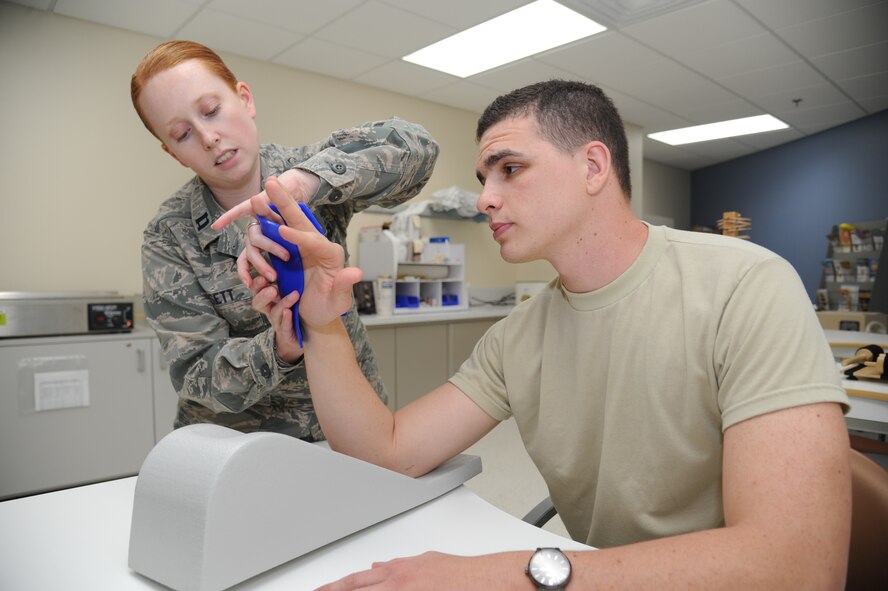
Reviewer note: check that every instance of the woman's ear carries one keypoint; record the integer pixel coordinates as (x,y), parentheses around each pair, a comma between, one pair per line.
(598,165)
(246,97)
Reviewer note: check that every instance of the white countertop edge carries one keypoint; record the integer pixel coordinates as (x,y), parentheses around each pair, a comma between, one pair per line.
(473,313)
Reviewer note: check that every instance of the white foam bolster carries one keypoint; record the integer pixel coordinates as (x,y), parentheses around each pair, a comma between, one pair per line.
(214,506)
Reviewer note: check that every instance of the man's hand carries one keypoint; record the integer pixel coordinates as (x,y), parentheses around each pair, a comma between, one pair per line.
(433,571)
(298,185)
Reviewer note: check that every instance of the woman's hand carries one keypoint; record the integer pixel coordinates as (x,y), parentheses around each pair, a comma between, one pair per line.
(267,300)
(298,185)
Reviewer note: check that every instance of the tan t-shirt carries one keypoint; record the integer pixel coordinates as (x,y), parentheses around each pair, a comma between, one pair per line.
(621,395)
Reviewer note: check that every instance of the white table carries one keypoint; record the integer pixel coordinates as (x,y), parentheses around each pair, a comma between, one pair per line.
(78,539)
(869,405)
(845,343)
(869,398)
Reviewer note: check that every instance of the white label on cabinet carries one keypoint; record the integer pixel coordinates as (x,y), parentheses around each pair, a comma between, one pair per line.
(61,389)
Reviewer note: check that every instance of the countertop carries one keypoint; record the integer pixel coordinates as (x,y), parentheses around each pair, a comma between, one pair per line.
(473,313)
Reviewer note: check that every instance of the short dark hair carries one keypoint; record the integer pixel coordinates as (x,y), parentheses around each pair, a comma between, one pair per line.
(569,114)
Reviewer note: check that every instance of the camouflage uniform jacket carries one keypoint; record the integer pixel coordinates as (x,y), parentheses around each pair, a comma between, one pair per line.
(220,351)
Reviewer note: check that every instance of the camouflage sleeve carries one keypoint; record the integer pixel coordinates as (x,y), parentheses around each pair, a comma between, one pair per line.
(379,163)
(222,360)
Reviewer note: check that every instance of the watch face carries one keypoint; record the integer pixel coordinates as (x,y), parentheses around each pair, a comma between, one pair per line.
(549,567)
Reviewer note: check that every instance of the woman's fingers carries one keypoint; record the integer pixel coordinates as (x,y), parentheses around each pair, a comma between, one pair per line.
(258,240)
(236,212)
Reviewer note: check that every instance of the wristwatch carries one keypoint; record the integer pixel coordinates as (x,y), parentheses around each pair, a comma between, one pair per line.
(549,569)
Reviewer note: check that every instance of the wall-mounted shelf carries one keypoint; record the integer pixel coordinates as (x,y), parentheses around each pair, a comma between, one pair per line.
(419,286)
(429,212)
(845,261)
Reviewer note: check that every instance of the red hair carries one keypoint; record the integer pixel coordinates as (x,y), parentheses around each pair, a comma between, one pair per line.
(168,55)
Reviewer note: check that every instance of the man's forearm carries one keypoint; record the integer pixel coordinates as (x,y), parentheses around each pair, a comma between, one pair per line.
(724,559)
(354,419)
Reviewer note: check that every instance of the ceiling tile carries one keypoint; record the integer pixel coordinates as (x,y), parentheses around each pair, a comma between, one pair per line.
(781,13)
(161,18)
(390,31)
(866,87)
(645,115)
(459,14)
(592,57)
(700,26)
(406,78)
(820,95)
(737,57)
(808,120)
(620,13)
(686,101)
(464,95)
(225,32)
(843,31)
(39,4)
(302,16)
(709,113)
(330,59)
(875,104)
(520,73)
(770,81)
(854,62)
(763,141)
(651,79)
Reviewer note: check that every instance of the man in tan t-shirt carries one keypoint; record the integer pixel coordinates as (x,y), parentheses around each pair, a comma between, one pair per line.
(674,389)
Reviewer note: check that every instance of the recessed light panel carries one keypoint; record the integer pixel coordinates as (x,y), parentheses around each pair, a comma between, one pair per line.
(720,130)
(533,28)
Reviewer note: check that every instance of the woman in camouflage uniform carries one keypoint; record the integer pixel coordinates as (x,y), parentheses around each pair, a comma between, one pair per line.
(222,353)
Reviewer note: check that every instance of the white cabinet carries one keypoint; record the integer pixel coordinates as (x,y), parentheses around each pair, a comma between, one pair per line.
(414,359)
(421,353)
(73,410)
(461,340)
(382,339)
(166,401)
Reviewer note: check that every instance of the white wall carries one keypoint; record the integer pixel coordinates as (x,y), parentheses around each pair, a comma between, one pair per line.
(667,193)
(80,177)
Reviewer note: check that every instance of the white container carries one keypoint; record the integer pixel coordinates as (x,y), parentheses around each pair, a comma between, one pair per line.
(436,250)
(384,294)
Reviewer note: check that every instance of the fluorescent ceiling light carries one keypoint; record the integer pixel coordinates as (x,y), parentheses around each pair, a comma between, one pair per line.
(533,28)
(716,131)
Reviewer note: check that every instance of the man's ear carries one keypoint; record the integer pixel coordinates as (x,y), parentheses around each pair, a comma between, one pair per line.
(598,165)
(246,97)
(167,150)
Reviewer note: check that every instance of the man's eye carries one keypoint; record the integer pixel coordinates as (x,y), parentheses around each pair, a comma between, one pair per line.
(510,169)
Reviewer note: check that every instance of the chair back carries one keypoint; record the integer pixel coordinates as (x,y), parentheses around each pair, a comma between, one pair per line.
(868,556)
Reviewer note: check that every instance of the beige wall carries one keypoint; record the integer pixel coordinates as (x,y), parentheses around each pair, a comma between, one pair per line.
(80,177)
(667,193)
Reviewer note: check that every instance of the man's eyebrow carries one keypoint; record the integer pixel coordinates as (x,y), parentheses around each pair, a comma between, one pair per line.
(492,159)
(497,156)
